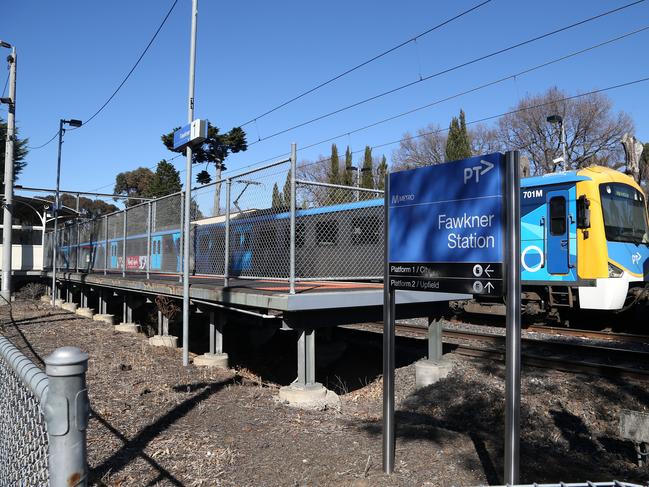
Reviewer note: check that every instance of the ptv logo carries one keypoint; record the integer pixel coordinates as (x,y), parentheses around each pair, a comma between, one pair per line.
(476,171)
(635,258)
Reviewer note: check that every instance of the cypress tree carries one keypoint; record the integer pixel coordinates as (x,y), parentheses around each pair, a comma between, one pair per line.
(334,171)
(381,172)
(286,194)
(277,201)
(348,176)
(458,144)
(166,180)
(367,177)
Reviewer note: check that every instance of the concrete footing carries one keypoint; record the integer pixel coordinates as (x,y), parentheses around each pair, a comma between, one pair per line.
(86,312)
(58,302)
(46,298)
(72,307)
(127,327)
(219,360)
(168,341)
(314,396)
(429,372)
(110,319)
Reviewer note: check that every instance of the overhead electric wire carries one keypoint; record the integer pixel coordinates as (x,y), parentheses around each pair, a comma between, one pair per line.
(447,70)
(365,63)
(5,87)
(119,87)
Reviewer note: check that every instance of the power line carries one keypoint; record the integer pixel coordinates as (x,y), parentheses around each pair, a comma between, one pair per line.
(6,83)
(446,71)
(365,63)
(119,87)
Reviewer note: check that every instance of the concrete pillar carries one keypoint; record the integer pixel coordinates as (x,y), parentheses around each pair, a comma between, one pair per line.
(127,324)
(435,367)
(163,338)
(216,357)
(305,391)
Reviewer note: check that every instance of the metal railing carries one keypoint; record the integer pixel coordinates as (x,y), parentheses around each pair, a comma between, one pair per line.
(280,221)
(43,418)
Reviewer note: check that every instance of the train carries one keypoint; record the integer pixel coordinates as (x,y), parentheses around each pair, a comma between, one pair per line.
(584,244)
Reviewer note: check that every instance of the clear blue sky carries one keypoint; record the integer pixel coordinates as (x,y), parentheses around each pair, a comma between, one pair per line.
(253,55)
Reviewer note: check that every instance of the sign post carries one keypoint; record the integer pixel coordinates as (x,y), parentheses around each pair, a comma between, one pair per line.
(448,229)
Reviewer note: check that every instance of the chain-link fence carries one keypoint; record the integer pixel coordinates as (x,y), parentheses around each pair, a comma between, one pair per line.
(243,227)
(38,449)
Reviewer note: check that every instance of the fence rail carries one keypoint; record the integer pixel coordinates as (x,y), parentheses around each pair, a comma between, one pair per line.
(43,418)
(281,221)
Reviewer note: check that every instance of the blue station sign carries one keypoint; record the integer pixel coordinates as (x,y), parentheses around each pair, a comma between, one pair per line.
(192,133)
(447,225)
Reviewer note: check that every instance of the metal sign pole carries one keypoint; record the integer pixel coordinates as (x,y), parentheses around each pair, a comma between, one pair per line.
(513,338)
(188,189)
(388,344)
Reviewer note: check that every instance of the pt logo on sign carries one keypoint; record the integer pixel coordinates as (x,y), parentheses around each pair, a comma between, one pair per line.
(477,171)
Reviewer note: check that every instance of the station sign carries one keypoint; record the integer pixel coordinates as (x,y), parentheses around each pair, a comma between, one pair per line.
(446,227)
(190,134)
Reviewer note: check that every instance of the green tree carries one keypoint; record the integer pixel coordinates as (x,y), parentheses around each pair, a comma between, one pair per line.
(214,150)
(278,199)
(166,180)
(644,166)
(88,208)
(348,176)
(20,152)
(334,171)
(381,172)
(458,143)
(286,193)
(367,170)
(134,183)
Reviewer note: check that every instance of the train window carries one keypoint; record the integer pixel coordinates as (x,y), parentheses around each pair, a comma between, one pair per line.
(365,231)
(326,232)
(266,237)
(300,235)
(557,215)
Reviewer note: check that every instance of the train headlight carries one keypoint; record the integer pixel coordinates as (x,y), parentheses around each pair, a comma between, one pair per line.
(614,271)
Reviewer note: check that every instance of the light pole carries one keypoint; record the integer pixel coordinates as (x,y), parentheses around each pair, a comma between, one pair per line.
(71,123)
(7,221)
(557,119)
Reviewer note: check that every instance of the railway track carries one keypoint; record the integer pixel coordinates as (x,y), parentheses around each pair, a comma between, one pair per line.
(579,357)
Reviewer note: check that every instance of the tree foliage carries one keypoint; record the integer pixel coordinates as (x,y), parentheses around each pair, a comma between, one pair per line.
(20,152)
(88,207)
(166,180)
(348,174)
(458,143)
(214,150)
(134,183)
(644,166)
(381,172)
(334,165)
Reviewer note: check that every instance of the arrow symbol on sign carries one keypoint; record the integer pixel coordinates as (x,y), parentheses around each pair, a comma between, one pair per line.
(489,287)
(488,270)
(488,166)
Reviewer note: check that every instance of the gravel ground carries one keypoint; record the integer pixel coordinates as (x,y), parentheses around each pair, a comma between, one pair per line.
(156,423)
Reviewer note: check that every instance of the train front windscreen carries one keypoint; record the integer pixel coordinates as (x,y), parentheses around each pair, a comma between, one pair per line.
(625,213)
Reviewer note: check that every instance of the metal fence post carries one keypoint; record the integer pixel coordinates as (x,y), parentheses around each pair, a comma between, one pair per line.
(148,240)
(181,250)
(291,278)
(124,246)
(105,244)
(76,259)
(226,257)
(66,409)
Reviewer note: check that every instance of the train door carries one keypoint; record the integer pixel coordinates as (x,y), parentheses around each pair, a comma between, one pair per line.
(113,255)
(176,237)
(558,235)
(242,249)
(156,253)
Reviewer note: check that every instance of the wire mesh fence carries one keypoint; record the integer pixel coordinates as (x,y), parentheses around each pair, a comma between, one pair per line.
(23,433)
(241,227)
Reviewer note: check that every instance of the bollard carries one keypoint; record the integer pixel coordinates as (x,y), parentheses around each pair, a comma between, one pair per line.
(66,409)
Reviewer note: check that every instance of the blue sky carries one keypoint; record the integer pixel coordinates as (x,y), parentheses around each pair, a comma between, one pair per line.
(253,55)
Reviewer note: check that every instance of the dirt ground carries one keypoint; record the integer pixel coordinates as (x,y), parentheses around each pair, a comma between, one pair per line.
(156,423)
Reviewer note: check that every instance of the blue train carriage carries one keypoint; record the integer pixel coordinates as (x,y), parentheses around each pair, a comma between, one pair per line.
(584,241)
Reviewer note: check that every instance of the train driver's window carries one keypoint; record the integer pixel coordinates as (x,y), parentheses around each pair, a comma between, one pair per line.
(557,215)
(326,233)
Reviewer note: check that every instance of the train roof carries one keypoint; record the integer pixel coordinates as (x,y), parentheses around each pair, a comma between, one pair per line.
(553,178)
(598,174)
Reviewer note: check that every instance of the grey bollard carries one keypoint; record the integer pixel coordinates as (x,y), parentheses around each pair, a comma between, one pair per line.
(66,411)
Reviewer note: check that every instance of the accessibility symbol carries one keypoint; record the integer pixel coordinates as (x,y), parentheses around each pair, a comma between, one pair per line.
(477,287)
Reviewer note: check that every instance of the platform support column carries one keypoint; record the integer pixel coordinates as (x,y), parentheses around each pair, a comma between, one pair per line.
(306,358)
(82,297)
(127,310)
(159,322)
(100,301)
(434,339)
(216,333)
(165,326)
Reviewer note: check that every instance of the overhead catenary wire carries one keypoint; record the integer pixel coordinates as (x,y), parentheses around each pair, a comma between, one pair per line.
(123,82)
(365,63)
(448,70)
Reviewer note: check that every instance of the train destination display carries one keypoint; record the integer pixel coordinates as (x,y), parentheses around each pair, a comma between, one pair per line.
(446,227)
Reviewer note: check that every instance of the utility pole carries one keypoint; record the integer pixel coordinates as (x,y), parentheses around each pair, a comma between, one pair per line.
(188,188)
(57,198)
(9,179)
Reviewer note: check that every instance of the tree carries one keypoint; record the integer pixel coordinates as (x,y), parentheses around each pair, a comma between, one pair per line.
(20,152)
(278,198)
(134,183)
(458,144)
(425,149)
(348,175)
(381,172)
(286,193)
(166,180)
(334,171)
(89,208)
(644,166)
(367,169)
(593,130)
